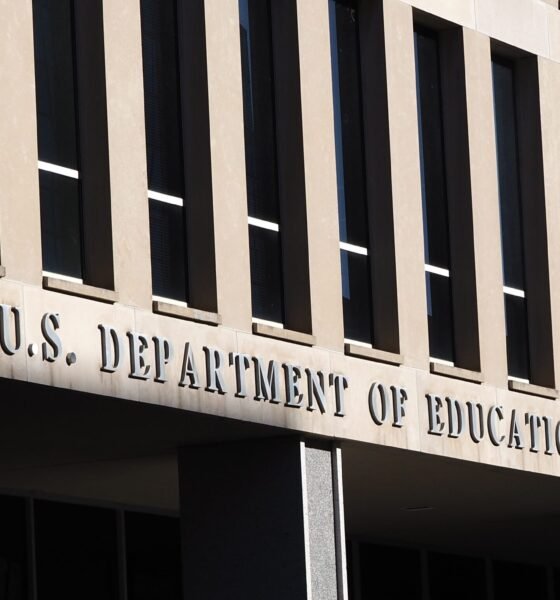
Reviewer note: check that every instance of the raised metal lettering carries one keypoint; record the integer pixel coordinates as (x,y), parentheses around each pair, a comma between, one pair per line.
(138,344)
(340,383)
(316,390)
(6,343)
(495,437)
(241,362)
(111,349)
(377,401)
(292,374)
(435,424)
(52,346)
(164,354)
(267,387)
(189,370)
(215,360)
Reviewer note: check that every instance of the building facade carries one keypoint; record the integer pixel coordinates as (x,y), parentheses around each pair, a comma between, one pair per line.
(280,299)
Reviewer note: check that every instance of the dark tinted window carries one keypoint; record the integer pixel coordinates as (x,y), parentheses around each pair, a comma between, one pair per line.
(261,157)
(164,148)
(153,557)
(13,557)
(434,193)
(390,573)
(517,336)
(352,207)
(61,224)
(514,581)
(54,76)
(266,280)
(167,245)
(348,122)
(258,109)
(510,216)
(162,97)
(76,550)
(432,158)
(508,173)
(456,577)
(356,296)
(440,324)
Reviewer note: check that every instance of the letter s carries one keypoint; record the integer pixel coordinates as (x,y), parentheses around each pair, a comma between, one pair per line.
(52,347)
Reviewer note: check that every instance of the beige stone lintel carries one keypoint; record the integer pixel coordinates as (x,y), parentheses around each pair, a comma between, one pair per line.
(80,289)
(358,351)
(532,389)
(185,312)
(456,372)
(287,335)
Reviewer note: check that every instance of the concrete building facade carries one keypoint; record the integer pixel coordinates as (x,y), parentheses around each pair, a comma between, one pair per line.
(291,459)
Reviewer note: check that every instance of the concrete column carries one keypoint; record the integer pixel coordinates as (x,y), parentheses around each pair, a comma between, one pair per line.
(262,519)
(127,152)
(549,83)
(20,221)
(225,98)
(485,207)
(320,173)
(405,177)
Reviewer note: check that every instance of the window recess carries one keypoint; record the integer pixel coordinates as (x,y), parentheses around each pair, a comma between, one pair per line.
(364,175)
(523,218)
(72,141)
(277,218)
(446,196)
(178,154)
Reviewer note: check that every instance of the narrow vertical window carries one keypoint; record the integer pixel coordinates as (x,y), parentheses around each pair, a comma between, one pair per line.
(352,201)
(166,191)
(178,154)
(511,218)
(261,161)
(275,170)
(74,175)
(57,122)
(434,196)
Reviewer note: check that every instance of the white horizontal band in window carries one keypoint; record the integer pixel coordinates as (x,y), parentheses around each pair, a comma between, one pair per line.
(63,277)
(510,291)
(269,323)
(165,198)
(264,224)
(436,270)
(353,248)
(442,361)
(58,170)
(180,303)
(357,343)
(518,379)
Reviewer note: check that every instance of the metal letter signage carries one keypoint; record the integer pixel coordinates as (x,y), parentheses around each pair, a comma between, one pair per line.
(280,385)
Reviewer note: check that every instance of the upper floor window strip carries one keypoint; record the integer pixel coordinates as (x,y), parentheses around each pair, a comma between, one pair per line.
(261,161)
(349,145)
(57,128)
(434,196)
(511,219)
(166,188)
